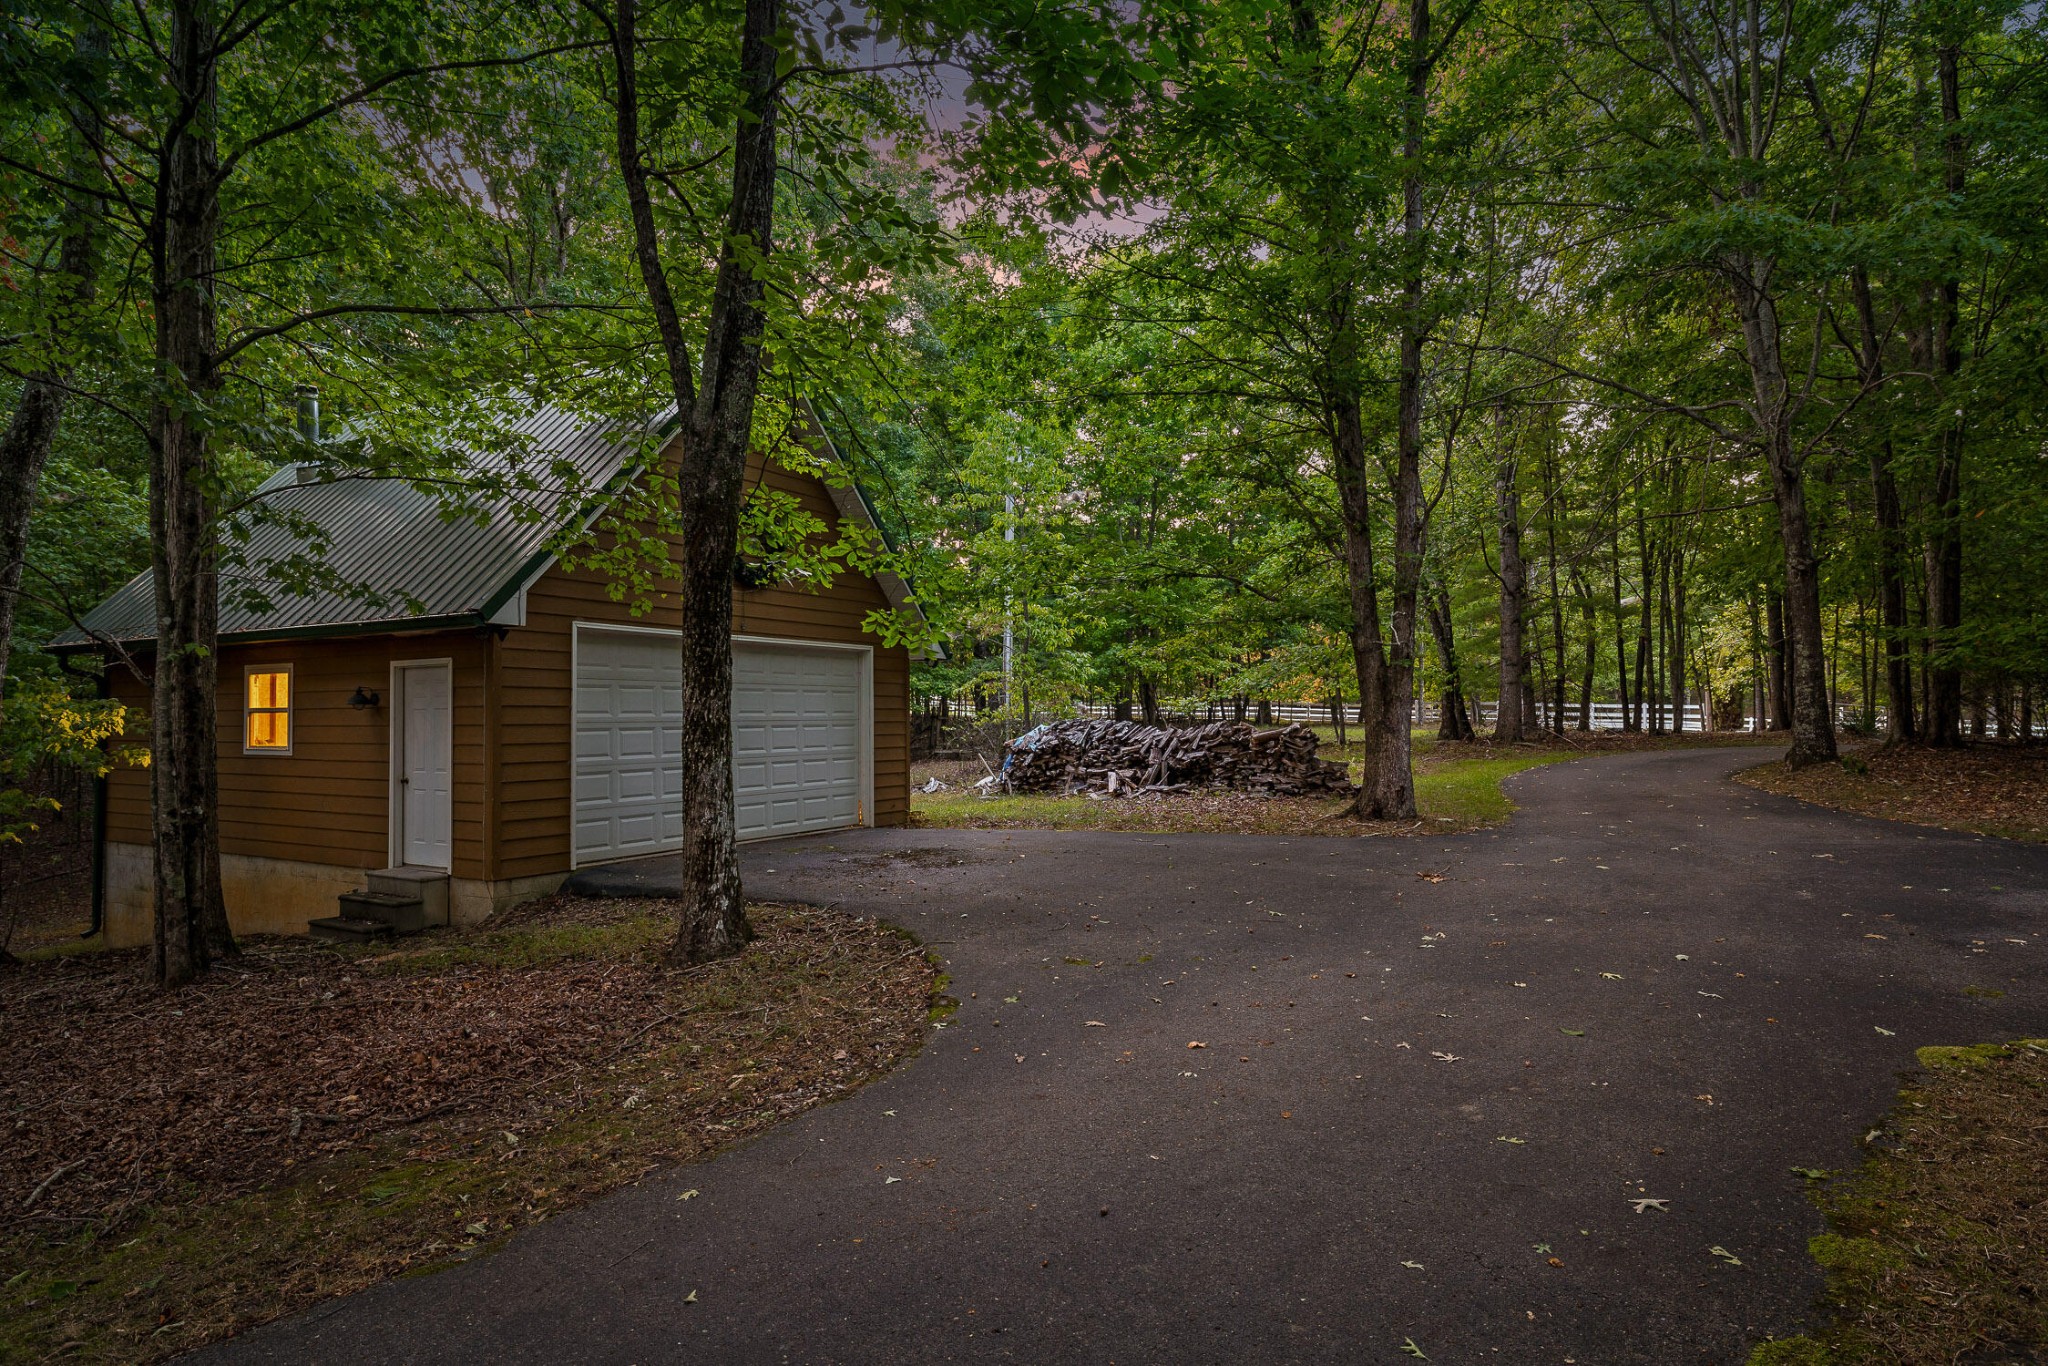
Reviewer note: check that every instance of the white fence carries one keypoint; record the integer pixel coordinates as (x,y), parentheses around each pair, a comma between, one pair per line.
(1605,715)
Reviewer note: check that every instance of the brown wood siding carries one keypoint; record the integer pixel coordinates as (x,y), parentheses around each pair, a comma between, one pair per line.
(328,801)
(536,685)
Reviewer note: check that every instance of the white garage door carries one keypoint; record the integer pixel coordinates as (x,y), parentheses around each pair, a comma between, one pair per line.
(796,739)
(798,744)
(629,745)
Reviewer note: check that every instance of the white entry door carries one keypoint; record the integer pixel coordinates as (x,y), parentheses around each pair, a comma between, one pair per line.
(801,749)
(424,760)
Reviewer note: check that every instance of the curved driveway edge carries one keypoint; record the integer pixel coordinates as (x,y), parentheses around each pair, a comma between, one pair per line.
(1502,1094)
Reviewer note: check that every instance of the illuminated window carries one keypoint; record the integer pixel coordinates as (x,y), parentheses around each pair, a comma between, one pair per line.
(267,727)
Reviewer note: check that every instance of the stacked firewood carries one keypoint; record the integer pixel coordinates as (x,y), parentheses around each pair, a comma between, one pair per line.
(1127,759)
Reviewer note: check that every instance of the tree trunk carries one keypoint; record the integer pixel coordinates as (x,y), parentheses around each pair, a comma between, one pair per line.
(1628,716)
(32,431)
(1148,699)
(1456,722)
(1646,678)
(1659,674)
(1813,729)
(1557,673)
(1891,539)
(1514,588)
(1945,544)
(1675,648)
(1388,789)
(1885,505)
(717,434)
(191,923)
(1774,657)
(1584,593)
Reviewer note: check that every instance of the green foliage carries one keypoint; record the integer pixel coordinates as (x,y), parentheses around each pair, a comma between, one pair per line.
(43,731)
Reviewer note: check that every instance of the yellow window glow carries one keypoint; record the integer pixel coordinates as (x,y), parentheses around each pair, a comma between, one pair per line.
(269,711)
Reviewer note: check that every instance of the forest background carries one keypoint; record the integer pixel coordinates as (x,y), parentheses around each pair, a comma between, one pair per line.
(1522,355)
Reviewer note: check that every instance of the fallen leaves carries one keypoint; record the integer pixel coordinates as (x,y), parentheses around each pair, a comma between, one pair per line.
(464,1086)
(1990,789)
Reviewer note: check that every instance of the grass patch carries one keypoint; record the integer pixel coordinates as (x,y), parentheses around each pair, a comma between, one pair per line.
(1453,792)
(318,1139)
(1937,1247)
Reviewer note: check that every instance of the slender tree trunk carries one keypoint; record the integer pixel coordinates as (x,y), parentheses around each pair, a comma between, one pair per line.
(1514,587)
(1550,501)
(191,924)
(1455,723)
(1676,648)
(1813,730)
(1584,592)
(1885,505)
(1628,718)
(1756,671)
(1148,699)
(1945,548)
(718,414)
(1774,657)
(1659,673)
(1646,678)
(1891,535)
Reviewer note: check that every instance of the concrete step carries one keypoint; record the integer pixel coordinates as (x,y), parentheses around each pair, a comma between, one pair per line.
(403,914)
(428,886)
(342,929)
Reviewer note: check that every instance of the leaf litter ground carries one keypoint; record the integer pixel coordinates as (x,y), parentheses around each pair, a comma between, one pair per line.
(310,1119)
(1986,789)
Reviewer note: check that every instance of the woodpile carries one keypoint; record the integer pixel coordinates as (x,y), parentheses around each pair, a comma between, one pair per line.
(1128,759)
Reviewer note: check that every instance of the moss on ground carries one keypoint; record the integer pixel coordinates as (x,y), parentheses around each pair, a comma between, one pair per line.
(1937,1247)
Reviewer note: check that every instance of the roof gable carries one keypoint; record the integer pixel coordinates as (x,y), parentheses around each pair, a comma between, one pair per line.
(409,565)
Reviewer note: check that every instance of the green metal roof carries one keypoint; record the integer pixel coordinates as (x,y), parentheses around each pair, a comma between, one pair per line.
(401,562)
(399,559)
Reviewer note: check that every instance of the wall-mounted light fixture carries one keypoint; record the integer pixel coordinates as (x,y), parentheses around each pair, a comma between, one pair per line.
(362,699)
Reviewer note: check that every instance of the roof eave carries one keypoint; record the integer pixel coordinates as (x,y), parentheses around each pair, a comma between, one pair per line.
(338,630)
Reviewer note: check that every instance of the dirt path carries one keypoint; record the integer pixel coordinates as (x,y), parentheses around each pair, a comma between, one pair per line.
(1503,1096)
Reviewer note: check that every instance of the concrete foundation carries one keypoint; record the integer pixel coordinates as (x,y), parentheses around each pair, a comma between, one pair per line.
(283,896)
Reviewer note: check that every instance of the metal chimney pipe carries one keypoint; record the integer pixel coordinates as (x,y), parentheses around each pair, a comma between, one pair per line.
(309,412)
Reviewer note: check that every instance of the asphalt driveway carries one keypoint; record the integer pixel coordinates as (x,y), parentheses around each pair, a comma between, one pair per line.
(1500,1095)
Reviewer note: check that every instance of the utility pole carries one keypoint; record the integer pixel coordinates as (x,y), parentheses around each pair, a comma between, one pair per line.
(1009,629)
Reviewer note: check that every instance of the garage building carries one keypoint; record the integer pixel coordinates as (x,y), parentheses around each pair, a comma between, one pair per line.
(458,711)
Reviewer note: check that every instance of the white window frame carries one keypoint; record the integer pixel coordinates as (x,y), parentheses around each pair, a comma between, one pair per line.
(291,705)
